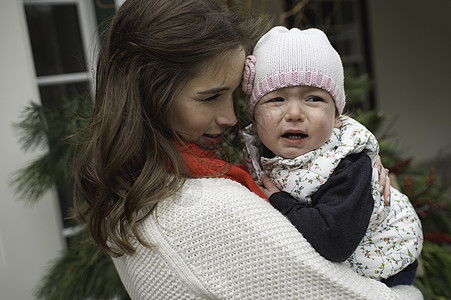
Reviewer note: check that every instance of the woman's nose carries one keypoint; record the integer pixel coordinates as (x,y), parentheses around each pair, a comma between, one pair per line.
(227,115)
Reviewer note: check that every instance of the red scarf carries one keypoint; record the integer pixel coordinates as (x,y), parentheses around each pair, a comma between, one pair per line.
(206,163)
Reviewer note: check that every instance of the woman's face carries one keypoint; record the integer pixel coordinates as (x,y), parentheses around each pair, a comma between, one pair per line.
(204,108)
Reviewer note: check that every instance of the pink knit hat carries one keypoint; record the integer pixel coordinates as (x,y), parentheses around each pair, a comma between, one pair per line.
(284,58)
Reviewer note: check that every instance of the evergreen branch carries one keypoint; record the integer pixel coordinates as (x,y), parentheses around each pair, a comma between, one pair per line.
(437,278)
(44,173)
(53,129)
(32,128)
(82,273)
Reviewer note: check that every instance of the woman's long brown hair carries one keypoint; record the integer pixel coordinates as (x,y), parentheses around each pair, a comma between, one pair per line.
(126,159)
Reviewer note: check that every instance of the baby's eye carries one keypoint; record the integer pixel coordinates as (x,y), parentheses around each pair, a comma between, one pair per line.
(315,99)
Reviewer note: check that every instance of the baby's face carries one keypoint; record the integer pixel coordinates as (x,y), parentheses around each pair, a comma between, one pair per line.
(295,120)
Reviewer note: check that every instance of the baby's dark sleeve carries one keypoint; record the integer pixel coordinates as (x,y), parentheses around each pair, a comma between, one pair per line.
(341,209)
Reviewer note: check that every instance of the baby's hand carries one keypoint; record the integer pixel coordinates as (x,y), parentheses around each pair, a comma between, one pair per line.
(267,186)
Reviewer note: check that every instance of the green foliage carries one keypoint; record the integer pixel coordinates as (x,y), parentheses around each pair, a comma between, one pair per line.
(429,197)
(356,87)
(372,119)
(53,131)
(436,281)
(82,273)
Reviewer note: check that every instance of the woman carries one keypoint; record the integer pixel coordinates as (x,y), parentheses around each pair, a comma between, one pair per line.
(179,222)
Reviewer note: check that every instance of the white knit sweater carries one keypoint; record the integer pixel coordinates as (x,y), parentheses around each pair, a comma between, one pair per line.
(217,240)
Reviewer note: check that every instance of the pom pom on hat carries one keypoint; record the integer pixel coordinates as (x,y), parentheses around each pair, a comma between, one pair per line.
(294,57)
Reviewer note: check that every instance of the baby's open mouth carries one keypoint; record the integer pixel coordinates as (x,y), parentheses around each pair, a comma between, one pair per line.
(294,136)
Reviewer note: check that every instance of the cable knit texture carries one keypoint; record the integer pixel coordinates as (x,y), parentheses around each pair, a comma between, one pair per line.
(217,240)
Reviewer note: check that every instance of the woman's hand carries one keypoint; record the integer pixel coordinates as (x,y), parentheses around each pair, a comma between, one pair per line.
(267,186)
(384,181)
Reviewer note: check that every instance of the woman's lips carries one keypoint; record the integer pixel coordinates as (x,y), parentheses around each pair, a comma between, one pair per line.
(213,138)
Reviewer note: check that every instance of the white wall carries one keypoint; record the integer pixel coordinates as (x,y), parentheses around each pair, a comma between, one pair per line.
(30,235)
(411,44)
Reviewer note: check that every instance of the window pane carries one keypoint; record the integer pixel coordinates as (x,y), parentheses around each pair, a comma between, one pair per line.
(55,95)
(55,39)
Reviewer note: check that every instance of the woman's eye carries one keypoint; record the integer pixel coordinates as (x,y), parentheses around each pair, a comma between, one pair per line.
(211,98)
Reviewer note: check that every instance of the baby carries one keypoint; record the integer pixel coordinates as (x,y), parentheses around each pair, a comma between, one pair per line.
(323,162)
